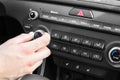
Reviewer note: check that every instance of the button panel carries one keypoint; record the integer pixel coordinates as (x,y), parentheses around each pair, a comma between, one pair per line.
(80,67)
(76,51)
(77,45)
(78,39)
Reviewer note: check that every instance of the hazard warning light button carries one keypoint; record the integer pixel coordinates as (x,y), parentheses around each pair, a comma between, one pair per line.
(81,13)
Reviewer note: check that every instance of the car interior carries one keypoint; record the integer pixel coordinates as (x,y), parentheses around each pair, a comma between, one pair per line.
(85,35)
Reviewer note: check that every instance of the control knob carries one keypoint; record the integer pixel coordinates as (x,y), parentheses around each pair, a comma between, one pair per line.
(38,33)
(33,14)
(114,55)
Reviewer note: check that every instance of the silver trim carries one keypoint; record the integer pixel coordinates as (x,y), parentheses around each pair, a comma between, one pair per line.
(42,26)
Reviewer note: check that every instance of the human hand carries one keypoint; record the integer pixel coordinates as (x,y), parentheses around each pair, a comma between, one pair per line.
(20,55)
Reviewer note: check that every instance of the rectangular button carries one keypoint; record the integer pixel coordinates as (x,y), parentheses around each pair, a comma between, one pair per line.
(84,23)
(75,51)
(85,54)
(65,37)
(96,57)
(81,13)
(96,25)
(87,42)
(98,45)
(56,34)
(65,48)
(55,45)
(76,39)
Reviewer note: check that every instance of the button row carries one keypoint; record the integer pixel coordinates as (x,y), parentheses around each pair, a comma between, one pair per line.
(79,67)
(81,22)
(77,39)
(76,51)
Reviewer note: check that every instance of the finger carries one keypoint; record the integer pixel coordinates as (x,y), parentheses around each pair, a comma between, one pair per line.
(38,56)
(38,43)
(22,38)
(36,65)
(30,69)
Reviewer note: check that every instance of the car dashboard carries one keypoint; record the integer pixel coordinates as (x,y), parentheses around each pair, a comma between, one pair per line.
(85,35)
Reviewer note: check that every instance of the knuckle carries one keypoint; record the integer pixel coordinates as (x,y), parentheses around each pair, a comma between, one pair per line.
(48,51)
(24,49)
(23,34)
(47,38)
(28,70)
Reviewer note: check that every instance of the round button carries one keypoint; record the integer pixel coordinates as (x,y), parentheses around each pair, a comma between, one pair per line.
(33,15)
(114,55)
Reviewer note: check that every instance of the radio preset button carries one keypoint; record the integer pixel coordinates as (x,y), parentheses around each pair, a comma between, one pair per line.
(117,30)
(107,28)
(84,23)
(96,26)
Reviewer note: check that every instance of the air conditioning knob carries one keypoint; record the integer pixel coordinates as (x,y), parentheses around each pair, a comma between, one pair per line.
(114,55)
(33,15)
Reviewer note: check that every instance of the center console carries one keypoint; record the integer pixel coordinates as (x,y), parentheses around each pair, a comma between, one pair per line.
(85,39)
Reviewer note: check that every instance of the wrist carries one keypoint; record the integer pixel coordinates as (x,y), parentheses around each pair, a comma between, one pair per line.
(4,79)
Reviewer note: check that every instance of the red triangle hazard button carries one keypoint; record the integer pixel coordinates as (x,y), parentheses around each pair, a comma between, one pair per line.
(80,13)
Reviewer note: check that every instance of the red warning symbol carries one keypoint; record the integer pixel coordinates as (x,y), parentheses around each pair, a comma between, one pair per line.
(80,13)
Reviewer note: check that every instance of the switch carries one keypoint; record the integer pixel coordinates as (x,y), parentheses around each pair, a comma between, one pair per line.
(75,51)
(76,39)
(99,45)
(86,54)
(81,13)
(65,48)
(65,37)
(55,45)
(96,57)
(56,35)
